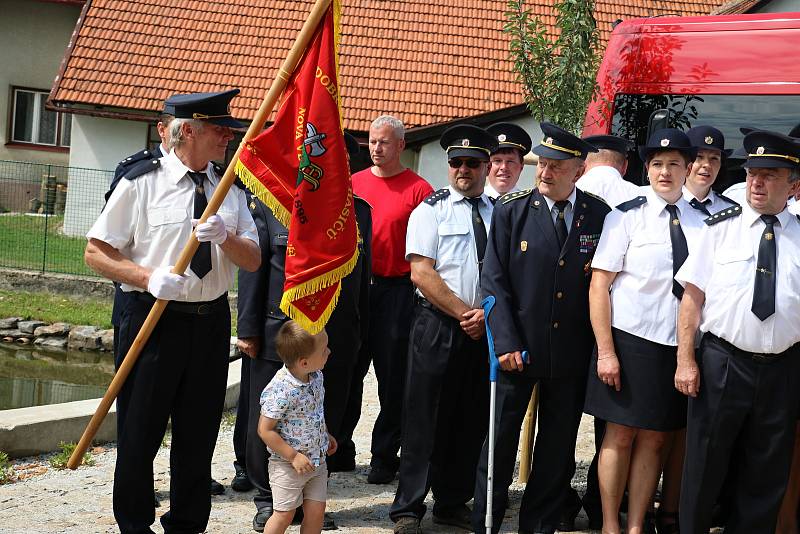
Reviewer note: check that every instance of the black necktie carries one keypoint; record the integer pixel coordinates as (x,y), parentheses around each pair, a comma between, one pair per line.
(478,228)
(561,222)
(764,288)
(701,206)
(680,250)
(201,261)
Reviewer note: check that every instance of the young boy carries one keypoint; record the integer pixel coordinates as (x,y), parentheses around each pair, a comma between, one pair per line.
(292,425)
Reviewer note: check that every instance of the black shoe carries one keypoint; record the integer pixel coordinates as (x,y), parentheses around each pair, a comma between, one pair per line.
(240,481)
(298,516)
(649,526)
(328,523)
(570,510)
(261,518)
(380,475)
(407,525)
(337,464)
(217,488)
(155,499)
(459,516)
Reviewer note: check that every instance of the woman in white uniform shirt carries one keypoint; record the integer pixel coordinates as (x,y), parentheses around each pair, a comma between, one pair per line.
(633,303)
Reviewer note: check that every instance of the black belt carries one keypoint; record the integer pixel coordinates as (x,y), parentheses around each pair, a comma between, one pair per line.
(193,308)
(758,357)
(425,303)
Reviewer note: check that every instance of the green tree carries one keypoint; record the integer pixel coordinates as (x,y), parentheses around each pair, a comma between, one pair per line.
(557,73)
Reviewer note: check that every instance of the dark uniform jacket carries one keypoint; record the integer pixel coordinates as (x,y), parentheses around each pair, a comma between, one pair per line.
(542,295)
(260,292)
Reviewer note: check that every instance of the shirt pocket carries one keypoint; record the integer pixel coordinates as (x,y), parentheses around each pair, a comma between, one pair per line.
(230,219)
(454,243)
(649,255)
(165,216)
(731,265)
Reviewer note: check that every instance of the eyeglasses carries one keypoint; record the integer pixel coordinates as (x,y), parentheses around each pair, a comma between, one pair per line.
(472,163)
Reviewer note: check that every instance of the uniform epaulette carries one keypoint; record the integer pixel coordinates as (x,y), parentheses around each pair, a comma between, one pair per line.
(508,197)
(632,203)
(139,156)
(436,196)
(727,199)
(358,198)
(596,197)
(722,215)
(141,168)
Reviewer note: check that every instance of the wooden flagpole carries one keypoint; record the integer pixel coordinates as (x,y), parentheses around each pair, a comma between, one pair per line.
(270,100)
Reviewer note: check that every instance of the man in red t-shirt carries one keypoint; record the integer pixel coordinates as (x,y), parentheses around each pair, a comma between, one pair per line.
(394,192)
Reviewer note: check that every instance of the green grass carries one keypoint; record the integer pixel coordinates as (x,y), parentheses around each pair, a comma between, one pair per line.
(56,308)
(37,243)
(6,471)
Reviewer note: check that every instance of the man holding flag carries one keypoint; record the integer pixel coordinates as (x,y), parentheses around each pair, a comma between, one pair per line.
(182,370)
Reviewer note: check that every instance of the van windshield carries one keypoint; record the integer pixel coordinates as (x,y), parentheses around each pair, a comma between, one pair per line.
(728,113)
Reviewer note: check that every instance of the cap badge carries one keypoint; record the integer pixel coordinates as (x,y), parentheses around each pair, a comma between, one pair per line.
(709,140)
(549,140)
(465,142)
(760,150)
(665,142)
(501,138)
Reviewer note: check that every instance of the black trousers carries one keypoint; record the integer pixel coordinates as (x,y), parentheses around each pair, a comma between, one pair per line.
(346,452)
(446,415)
(242,411)
(391,311)
(257,456)
(553,462)
(180,375)
(745,406)
(338,379)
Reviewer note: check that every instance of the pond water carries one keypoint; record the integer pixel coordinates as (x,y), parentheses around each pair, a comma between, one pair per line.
(31,376)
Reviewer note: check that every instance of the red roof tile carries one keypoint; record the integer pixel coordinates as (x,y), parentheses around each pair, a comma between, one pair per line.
(421,60)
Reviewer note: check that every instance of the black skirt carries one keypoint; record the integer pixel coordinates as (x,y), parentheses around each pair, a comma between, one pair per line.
(647,398)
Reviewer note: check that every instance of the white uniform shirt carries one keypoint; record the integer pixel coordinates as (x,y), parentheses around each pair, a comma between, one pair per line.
(716,205)
(491,192)
(736,192)
(636,245)
(793,206)
(724,270)
(443,232)
(607,183)
(149,220)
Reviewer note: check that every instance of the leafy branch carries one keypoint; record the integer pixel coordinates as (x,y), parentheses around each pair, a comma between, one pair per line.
(557,74)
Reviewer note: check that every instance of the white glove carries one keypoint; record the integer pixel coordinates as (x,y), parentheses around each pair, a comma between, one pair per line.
(166,285)
(212,230)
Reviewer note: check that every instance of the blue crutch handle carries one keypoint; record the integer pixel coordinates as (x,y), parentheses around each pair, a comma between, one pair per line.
(494,363)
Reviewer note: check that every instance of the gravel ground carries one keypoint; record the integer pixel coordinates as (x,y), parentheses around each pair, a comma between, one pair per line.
(49,501)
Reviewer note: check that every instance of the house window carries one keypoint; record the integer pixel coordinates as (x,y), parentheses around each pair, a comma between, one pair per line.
(32,123)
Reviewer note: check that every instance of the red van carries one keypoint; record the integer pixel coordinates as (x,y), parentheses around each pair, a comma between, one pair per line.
(727,71)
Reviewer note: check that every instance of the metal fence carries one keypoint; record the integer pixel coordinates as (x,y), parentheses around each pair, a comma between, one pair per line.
(45,211)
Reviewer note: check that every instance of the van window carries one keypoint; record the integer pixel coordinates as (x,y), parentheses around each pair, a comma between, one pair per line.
(728,113)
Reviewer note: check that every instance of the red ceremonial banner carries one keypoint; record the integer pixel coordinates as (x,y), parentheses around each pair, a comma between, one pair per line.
(299,168)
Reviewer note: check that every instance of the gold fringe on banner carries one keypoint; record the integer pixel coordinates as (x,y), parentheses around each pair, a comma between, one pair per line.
(313,286)
(254,184)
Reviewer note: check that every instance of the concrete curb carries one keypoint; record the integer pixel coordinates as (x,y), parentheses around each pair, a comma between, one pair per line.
(40,429)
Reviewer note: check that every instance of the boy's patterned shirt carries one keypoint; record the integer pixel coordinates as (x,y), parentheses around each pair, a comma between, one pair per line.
(298,408)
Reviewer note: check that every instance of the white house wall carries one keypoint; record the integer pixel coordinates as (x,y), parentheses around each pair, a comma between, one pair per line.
(33,37)
(432,162)
(97,143)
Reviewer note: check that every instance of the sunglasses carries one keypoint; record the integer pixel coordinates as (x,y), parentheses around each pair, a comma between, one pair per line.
(472,163)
